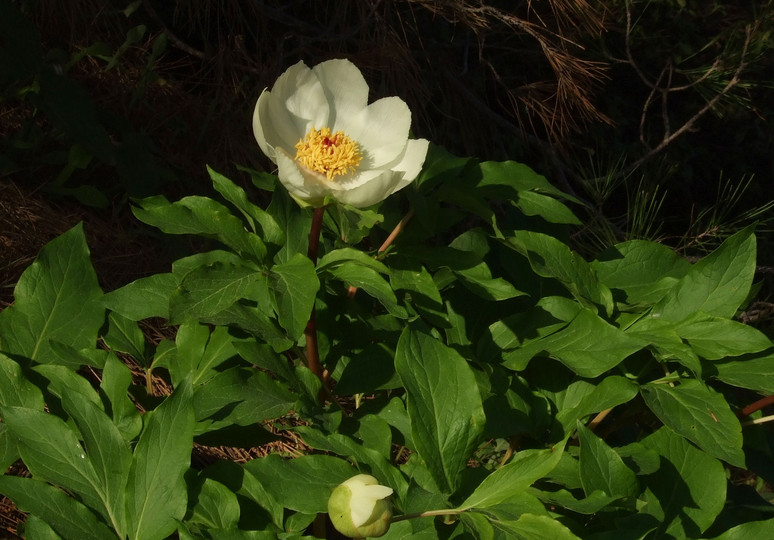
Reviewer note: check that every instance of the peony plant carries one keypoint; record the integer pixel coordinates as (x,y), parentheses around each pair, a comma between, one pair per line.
(316,125)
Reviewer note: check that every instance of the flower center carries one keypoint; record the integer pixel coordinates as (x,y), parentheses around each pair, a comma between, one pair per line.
(327,153)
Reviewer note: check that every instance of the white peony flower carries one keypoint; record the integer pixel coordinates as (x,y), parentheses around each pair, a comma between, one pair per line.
(316,125)
(360,508)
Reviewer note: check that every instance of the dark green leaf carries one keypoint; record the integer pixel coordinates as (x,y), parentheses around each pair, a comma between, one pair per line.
(373,284)
(602,469)
(69,518)
(143,298)
(156,494)
(533,203)
(752,371)
(293,286)
(715,338)
(447,415)
(717,284)
(201,216)
(699,414)
(687,493)
(56,298)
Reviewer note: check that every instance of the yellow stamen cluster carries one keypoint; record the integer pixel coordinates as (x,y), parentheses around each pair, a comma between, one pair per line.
(328,154)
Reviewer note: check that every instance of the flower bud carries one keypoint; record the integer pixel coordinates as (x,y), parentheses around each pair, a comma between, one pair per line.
(360,507)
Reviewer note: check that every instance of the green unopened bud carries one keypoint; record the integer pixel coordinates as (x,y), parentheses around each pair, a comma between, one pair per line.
(360,507)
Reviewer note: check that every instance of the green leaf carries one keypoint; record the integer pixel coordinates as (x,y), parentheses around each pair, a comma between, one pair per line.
(524,469)
(602,469)
(124,335)
(644,270)
(752,529)
(15,389)
(116,380)
(610,392)
(37,529)
(447,415)
(478,280)
(293,286)
(550,258)
(337,257)
(241,396)
(56,298)
(527,527)
(718,284)
(699,414)
(752,371)
(514,175)
(52,452)
(533,203)
(216,506)
(69,518)
(156,495)
(715,338)
(302,484)
(369,280)
(259,220)
(201,216)
(108,452)
(295,223)
(255,321)
(144,298)
(688,492)
(414,278)
(588,345)
(210,289)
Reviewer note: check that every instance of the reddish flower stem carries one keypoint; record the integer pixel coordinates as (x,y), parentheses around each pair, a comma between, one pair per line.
(757,406)
(312,352)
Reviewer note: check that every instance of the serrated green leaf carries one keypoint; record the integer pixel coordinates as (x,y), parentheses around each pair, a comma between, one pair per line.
(688,492)
(524,469)
(69,518)
(144,298)
(446,411)
(715,338)
(56,298)
(293,286)
(200,216)
(699,414)
(156,493)
(302,484)
(717,284)
(602,469)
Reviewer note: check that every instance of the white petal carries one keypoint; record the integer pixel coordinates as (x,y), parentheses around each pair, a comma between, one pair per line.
(300,93)
(345,89)
(373,191)
(360,509)
(261,129)
(411,162)
(378,492)
(381,130)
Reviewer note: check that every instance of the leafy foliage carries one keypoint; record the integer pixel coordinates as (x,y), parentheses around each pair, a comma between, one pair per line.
(489,362)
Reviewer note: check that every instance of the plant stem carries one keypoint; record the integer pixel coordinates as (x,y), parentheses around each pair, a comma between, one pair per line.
(444,512)
(757,406)
(312,352)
